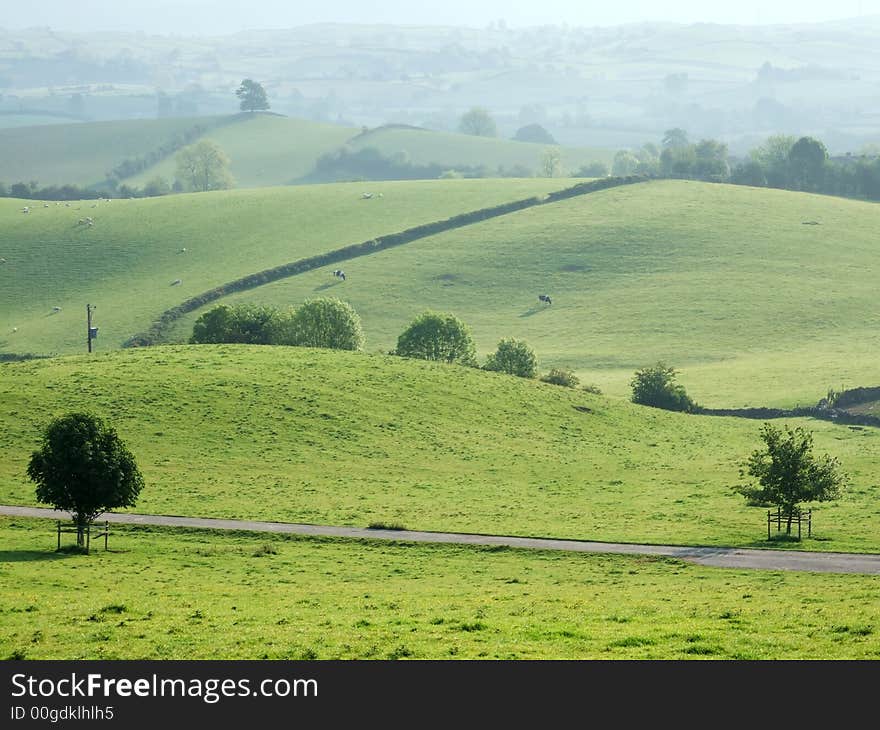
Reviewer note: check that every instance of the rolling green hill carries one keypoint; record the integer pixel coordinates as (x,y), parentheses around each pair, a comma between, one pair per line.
(723,282)
(127,262)
(293,434)
(424,147)
(264,149)
(82,153)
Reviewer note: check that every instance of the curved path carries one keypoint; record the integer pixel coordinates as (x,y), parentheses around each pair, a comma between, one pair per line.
(718,557)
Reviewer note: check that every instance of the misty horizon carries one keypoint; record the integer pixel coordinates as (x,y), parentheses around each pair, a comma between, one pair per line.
(223,17)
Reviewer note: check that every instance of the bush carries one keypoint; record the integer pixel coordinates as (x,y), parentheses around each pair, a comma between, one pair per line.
(245,324)
(438,336)
(513,357)
(594,389)
(655,386)
(326,322)
(559,376)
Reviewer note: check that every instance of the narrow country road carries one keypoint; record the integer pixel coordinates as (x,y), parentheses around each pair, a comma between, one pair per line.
(712,556)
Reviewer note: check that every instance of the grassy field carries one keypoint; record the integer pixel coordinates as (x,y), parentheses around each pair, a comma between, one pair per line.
(724,282)
(266,150)
(425,147)
(126,263)
(178,594)
(81,153)
(299,435)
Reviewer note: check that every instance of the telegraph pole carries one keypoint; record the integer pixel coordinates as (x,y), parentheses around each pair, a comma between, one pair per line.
(91,333)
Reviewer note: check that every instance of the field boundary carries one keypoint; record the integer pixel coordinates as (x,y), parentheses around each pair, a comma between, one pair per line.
(158,330)
(717,557)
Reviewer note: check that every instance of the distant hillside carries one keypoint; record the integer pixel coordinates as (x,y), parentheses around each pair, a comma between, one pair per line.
(82,153)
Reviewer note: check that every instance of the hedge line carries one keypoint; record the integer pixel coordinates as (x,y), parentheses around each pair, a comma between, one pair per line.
(826,414)
(159,327)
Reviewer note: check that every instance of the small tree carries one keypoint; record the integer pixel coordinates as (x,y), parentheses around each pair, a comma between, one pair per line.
(438,336)
(551,162)
(513,357)
(788,473)
(203,166)
(478,122)
(326,322)
(655,386)
(253,96)
(84,468)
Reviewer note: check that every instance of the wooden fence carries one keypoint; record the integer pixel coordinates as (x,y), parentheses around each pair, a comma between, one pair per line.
(798,517)
(74,529)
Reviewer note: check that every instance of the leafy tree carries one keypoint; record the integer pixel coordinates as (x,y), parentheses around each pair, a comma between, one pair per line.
(551,162)
(674,138)
(678,161)
(711,160)
(749,172)
(156,186)
(788,473)
(438,336)
(655,386)
(807,159)
(478,122)
(513,357)
(561,376)
(534,133)
(203,166)
(83,467)
(253,96)
(625,163)
(246,324)
(772,156)
(323,322)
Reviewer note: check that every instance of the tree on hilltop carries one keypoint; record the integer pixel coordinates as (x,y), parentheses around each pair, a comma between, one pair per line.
(253,96)
(438,336)
(478,122)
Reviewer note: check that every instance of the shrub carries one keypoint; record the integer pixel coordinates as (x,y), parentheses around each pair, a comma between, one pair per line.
(655,386)
(561,376)
(240,324)
(438,336)
(594,389)
(326,322)
(513,357)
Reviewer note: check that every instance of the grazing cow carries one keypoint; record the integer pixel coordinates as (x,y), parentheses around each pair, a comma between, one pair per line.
(175,282)
(545,298)
(56,309)
(339,274)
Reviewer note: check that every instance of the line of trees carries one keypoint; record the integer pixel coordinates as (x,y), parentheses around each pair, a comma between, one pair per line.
(782,161)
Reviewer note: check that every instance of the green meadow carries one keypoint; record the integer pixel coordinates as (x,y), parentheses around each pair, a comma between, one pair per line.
(317,436)
(724,282)
(127,262)
(264,150)
(81,153)
(181,594)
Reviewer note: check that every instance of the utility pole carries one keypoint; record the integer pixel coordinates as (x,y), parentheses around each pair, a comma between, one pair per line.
(92,331)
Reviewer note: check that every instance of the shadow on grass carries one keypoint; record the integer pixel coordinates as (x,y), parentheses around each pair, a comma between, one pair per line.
(30,556)
(531,311)
(328,285)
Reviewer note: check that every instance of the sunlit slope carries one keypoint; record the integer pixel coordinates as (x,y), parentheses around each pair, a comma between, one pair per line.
(330,437)
(82,153)
(128,261)
(724,282)
(265,150)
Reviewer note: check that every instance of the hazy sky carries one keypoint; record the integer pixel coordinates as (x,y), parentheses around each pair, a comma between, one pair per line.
(227,16)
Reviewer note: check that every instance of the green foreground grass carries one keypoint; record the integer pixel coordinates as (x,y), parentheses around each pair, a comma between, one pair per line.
(723,282)
(127,262)
(301,435)
(186,594)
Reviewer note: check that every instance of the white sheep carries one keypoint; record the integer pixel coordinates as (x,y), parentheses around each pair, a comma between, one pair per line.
(26,209)
(183,250)
(15,329)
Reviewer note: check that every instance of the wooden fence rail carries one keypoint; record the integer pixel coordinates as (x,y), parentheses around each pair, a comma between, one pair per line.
(74,529)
